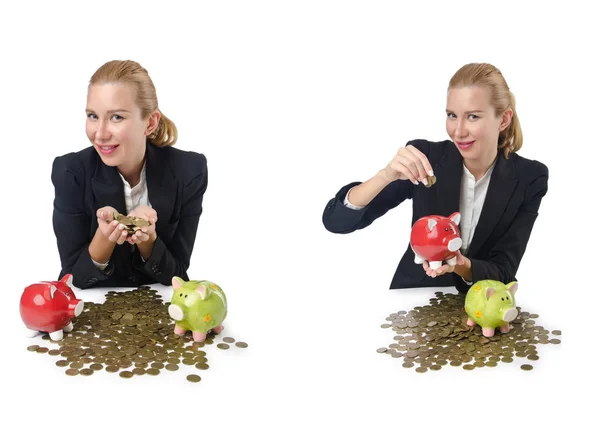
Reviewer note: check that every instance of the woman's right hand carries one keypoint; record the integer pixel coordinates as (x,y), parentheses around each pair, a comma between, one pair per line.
(111,229)
(409,163)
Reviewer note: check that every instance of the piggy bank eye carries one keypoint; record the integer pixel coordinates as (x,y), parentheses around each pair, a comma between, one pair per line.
(180,294)
(446,229)
(185,296)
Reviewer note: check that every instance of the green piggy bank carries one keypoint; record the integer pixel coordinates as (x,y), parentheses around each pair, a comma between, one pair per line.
(198,306)
(491,304)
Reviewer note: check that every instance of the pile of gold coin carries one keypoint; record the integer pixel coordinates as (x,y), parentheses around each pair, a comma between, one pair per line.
(132,224)
(432,336)
(131,334)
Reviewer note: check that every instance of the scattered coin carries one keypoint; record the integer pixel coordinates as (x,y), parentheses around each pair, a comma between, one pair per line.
(126,374)
(193,378)
(72,372)
(86,372)
(172,367)
(526,366)
(228,339)
(42,350)
(62,363)
(222,346)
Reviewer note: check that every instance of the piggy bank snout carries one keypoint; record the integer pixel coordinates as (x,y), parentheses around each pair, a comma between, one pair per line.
(455,244)
(78,308)
(175,312)
(510,314)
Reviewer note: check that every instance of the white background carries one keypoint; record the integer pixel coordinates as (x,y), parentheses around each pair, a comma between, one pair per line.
(289,101)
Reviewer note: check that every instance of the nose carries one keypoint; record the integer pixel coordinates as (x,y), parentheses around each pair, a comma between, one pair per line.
(510,314)
(102,132)
(455,244)
(461,129)
(175,312)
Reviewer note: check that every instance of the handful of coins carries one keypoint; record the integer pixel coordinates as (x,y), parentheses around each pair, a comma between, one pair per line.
(132,224)
(430,181)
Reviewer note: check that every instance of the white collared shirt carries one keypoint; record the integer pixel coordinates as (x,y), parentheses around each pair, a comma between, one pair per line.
(472,196)
(134,197)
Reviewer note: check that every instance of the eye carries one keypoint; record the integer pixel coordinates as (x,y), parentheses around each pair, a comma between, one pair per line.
(92,116)
(117,117)
(450,115)
(473,117)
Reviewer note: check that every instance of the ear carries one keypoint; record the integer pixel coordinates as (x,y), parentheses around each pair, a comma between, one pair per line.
(153,123)
(431,223)
(68,279)
(513,287)
(52,290)
(202,291)
(506,119)
(177,282)
(489,292)
(455,218)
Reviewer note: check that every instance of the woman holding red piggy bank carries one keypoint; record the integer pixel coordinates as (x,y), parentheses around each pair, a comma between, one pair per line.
(476,174)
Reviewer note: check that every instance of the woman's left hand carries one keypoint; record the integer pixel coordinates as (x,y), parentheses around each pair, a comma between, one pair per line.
(145,234)
(446,268)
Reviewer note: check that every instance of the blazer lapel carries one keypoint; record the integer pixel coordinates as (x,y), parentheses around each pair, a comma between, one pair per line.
(448,173)
(162,185)
(107,187)
(500,190)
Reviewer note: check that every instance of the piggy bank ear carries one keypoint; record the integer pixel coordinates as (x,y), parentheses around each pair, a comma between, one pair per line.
(202,291)
(68,279)
(455,218)
(177,282)
(489,292)
(513,287)
(52,290)
(431,223)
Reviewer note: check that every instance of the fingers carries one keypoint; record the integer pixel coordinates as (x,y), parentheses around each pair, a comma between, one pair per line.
(119,234)
(424,162)
(411,164)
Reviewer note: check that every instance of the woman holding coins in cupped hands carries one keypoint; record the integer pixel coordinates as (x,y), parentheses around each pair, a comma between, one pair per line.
(131,168)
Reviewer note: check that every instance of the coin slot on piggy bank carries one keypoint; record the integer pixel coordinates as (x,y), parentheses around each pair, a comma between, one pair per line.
(436,239)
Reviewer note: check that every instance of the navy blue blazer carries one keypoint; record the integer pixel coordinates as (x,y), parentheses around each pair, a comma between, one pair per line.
(510,209)
(176,183)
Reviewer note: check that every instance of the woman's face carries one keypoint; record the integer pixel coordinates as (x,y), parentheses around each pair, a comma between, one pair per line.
(115,125)
(472,124)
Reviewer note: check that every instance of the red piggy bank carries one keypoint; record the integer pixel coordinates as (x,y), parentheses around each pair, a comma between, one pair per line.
(436,239)
(50,307)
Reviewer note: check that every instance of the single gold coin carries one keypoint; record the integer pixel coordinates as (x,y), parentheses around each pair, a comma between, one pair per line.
(86,372)
(421,369)
(193,378)
(139,371)
(112,369)
(42,350)
(379,350)
(126,374)
(228,339)
(526,366)
(468,367)
(172,367)
(72,372)
(408,364)
(96,366)
(556,332)
(54,352)
(202,366)
(152,371)
(33,348)
(62,363)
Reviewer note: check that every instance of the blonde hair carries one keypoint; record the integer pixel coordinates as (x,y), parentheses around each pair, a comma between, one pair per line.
(132,73)
(487,76)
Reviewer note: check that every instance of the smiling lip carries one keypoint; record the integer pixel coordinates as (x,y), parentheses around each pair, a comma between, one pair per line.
(464,145)
(107,149)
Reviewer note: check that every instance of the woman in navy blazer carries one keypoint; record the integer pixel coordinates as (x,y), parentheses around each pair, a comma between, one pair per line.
(133,169)
(478,174)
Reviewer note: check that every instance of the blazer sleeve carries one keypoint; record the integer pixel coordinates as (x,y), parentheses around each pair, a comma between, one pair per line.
(174,260)
(337,218)
(505,256)
(71,223)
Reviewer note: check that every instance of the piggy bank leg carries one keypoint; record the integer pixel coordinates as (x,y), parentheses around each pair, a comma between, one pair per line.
(419,260)
(452,261)
(179,330)
(31,333)
(487,331)
(68,328)
(505,328)
(435,264)
(199,336)
(218,329)
(470,322)
(56,335)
